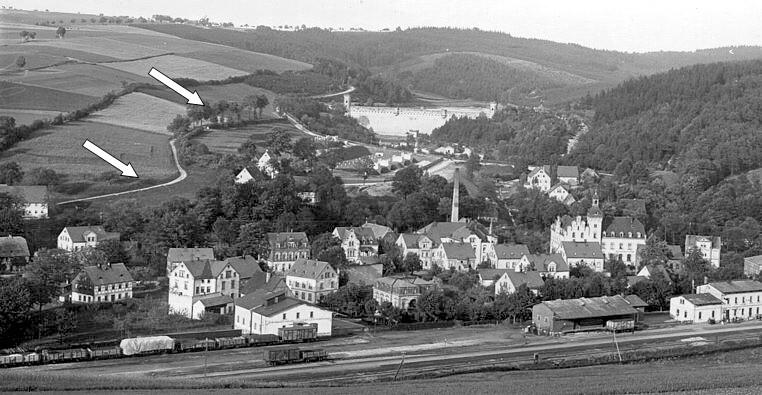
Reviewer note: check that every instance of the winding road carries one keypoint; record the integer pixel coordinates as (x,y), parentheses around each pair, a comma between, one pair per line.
(183,175)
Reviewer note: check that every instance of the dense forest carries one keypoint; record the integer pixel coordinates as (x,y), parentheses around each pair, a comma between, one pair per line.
(513,134)
(701,122)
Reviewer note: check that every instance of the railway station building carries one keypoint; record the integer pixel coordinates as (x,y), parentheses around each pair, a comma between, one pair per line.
(572,315)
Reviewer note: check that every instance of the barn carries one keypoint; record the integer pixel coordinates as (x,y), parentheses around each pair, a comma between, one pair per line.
(571,315)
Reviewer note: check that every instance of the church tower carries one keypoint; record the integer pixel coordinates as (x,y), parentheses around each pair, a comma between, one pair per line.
(595,218)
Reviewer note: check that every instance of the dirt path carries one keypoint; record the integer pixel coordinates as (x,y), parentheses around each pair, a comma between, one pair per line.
(183,175)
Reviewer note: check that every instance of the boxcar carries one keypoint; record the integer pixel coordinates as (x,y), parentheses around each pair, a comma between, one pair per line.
(68,355)
(262,340)
(282,356)
(298,333)
(11,360)
(231,342)
(32,358)
(196,345)
(317,354)
(105,352)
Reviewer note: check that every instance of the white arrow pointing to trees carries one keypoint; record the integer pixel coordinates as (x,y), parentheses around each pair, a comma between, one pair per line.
(193,98)
(126,170)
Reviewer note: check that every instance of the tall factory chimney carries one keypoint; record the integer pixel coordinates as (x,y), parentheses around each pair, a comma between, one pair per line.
(454,216)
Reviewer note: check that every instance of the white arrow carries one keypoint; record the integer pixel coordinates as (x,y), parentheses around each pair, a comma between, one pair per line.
(193,98)
(126,170)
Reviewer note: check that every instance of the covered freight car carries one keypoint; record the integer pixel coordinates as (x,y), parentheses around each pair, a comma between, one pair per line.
(67,355)
(298,333)
(147,345)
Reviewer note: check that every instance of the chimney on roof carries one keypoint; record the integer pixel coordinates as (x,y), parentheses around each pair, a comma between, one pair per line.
(454,215)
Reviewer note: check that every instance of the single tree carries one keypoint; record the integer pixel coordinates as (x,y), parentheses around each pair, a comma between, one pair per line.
(260,103)
(10,173)
(61,32)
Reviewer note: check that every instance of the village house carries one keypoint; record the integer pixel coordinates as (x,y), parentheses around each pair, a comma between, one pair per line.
(548,265)
(108,282)
(487,277)
(243,176)
(568,175)
(285,249)
(578,254)
(251,277)
(457,255)
(648,271)
(401,292)
(265,312)
(562,193)
(177,255)
(695,308)
(622,238)
(413,243)
(14,253)
(76,238)
(509,256)
(708,245)
(512,280)
(741,298)
(311,280)
(357,242)
(265,164)
(214,282)
(539,178)
(34,199)
(473,233)
(569,315)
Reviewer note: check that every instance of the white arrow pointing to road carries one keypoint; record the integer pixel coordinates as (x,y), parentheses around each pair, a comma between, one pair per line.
(126,170)
(193,98)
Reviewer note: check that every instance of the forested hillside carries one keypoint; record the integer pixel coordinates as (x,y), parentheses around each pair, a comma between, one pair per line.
(702,122)
(513,134)
(391,52)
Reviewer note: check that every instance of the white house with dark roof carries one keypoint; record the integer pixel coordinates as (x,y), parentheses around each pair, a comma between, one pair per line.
(512,280)
(457,255)
(539,178)
(742,299)
(708,245)
(265,165)
(549,265)
(562,193)
(401,292)
(509,256)
(357,242)
(264,312)
(109,282)
(583,254)
(310,280)
(193,280)
(177,255)
(76,238)
(285,249)
(14,253)
(243,176)
(621,239)
(695,308)
(34,199)
(481,240)
(421,245)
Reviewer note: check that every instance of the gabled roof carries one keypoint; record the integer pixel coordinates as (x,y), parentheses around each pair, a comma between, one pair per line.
(511,251)
(215,299)
(379,231)
(285,237)
(737,286)
(541,262)
(559,186)
(626,225)
(396,283)
(603,306)
(537,169)
(490,274)
(13,247)
(27,193)
(207,269)
(365,235)
(533,280)
(635,301)
(574,249)
(107,274)
(437,231)
(753,260)
(246,266)
(653,269)
(701,299)
(78,233)
(274,284)
(189,254)
(691,240)
(309,268)
(260,297)
(461,251)
(411,240)
(567,171)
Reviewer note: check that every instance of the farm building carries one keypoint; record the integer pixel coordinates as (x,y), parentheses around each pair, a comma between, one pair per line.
(34,199)
(108,282)
(75,238)
(695,308)
(569,315)
(263,312)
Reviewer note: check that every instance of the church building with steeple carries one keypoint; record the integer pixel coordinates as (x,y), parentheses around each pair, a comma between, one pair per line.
(586,229)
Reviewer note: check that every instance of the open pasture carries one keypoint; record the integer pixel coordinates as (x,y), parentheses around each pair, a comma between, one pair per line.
(140,111)
(227,141)
(27,97)
(60,148)
(26,117)
(86,79)
(178,67)
(246,60)
(40,55)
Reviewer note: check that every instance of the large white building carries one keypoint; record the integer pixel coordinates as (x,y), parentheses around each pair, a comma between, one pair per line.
(482,242)
(708,245)
(695,308)
(741,299)
(579,229)
(621,239)
(264,312)
(214,281)
(285,249)
(76,238)
(311,280)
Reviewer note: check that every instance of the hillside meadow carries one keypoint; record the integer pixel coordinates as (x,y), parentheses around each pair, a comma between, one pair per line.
(140,111)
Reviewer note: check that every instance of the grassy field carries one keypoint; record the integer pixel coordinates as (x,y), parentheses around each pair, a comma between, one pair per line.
(177,67)
(227,141)
(140,111)
(86,79)
(26,97)
(215,93)
(60,148)
(248,61)
(25,117)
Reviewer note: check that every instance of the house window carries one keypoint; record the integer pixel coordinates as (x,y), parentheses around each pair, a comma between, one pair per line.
(232,284)
(297,315)
(309,297)
(699,315)
(222,287)
(284,316)
(712,313)
(312,313)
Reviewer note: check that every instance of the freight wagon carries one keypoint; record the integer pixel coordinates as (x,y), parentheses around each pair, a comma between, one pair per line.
(293,355)
(298,333)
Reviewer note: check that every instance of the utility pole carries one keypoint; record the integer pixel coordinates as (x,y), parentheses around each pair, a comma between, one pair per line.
(617,346)
(399,367)
(206,353)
